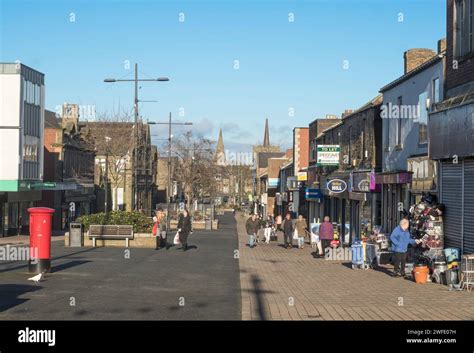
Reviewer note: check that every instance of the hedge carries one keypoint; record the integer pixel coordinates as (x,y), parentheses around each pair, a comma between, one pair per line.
(140,222)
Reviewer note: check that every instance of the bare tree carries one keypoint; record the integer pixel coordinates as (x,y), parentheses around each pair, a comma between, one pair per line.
(195,170)
(112,135)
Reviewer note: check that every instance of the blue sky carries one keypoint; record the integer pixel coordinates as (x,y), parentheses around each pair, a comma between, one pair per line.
(283,66)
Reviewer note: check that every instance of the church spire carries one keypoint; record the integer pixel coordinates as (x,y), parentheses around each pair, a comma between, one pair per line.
(266,136)
(220,151)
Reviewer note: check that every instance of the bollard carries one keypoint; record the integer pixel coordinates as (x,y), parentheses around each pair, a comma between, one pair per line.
(40,239)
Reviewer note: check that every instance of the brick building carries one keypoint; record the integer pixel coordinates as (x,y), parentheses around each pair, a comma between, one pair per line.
(68,166)
(312,194)
(353,206)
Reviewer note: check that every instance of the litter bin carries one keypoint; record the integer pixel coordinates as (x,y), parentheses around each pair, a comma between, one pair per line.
(208,224)
(76,238)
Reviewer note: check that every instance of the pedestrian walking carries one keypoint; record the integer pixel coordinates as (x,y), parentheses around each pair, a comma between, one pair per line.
(252,226)
(301,228)
(184,229)
(288,228)
(156,231)
(326,234)
(400,239)
(161,240)
(268,228)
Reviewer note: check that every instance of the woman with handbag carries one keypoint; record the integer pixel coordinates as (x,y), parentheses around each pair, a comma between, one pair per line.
(184,229)
(300,229)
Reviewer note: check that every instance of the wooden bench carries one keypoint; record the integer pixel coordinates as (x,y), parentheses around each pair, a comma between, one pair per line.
(112,232)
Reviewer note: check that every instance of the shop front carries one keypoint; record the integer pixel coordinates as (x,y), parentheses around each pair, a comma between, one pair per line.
(365,203)
(457,194)
(395,197)
(337,205)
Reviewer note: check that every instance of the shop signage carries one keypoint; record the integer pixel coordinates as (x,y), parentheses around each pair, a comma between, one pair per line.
(273,182)
(289,197)
(302,176)
(374,186)
(292,183)
(328,155)
(38,185)
(360,182)
(313,194)
(337,185)
(394,178)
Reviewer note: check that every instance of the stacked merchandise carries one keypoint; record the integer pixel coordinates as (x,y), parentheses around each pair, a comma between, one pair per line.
(383,253)
(426,223)
(426,218)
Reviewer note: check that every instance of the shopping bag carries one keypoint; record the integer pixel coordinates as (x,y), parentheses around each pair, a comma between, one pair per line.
(155,229)
(295,234)
(176,240)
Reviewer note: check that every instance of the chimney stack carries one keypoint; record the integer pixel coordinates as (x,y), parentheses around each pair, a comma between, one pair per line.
(416,57)
(347,112)
(441,45)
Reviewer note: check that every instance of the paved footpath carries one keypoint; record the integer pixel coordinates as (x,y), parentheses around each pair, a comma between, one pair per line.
(281,284)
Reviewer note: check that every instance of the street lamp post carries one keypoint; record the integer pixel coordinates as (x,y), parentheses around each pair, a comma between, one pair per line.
(106,199)
(168,199)
(135,108)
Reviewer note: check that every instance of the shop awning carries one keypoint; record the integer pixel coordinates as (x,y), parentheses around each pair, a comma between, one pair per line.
(394,178)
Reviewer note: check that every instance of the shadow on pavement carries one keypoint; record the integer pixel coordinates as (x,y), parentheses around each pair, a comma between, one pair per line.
(67,265)
(52,259)
(9,294)
(258,292)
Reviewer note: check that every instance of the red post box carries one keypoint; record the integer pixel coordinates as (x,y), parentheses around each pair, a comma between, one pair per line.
(40,239)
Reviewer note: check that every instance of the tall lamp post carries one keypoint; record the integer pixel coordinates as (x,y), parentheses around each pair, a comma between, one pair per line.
(168,201)
(106,199)
(135,106)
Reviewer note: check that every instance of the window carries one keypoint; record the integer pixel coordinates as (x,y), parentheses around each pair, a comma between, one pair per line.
(422,119)
(398,142)
(436,93)
(463,27)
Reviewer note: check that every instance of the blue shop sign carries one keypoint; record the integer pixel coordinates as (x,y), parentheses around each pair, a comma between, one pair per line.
(313,194)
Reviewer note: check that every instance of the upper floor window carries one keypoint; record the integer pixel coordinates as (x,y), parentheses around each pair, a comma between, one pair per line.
(436,92)
(463,27)
(398,141)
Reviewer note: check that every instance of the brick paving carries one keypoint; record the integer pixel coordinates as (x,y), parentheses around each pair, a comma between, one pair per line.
(281,284)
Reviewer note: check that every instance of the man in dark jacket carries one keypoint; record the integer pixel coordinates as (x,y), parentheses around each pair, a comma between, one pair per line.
(184,228)
(252,226)
(400,239)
